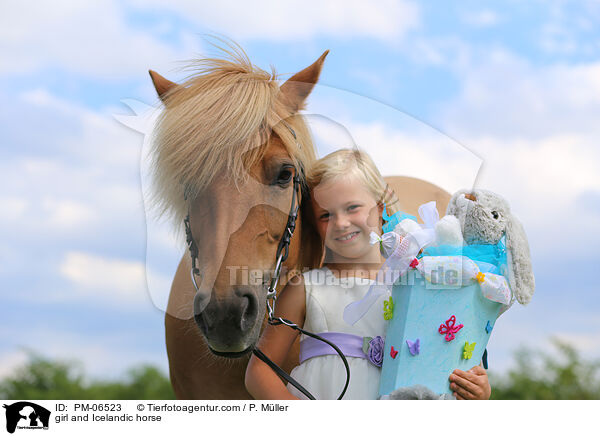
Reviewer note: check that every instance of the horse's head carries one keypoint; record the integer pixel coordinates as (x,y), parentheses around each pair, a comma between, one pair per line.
(227,148)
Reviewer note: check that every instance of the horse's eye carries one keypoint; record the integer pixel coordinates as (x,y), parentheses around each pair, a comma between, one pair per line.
(495,214)
(285,176)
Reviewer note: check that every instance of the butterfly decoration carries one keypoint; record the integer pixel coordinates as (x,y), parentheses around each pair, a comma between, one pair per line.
(388,309)
(414,347)
(468,350)
(393,352)
(449,329)
(488,327)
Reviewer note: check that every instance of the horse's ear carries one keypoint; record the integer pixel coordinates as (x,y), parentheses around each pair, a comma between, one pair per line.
(295,90)
(161,84)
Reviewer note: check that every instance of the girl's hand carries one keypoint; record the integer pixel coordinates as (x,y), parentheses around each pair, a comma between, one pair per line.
(470,385)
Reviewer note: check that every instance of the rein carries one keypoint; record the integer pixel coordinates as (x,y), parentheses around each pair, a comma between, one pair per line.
(280,256)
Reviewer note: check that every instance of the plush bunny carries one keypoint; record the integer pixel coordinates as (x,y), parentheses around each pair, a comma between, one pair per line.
(484,217)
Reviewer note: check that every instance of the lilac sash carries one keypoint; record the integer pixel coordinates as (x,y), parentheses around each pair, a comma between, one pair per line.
(350,345)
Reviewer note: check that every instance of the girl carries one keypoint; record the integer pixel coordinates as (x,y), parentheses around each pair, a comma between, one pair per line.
(347,195)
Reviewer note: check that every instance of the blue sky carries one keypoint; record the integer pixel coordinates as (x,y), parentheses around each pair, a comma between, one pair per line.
(512,86)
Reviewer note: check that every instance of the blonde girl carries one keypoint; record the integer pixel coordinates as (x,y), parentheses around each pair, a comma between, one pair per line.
(347,196)
(347,199)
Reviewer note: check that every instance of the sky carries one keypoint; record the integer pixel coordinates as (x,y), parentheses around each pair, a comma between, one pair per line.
(499,95)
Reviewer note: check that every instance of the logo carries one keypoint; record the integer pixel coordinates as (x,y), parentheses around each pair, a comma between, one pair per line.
(26,415)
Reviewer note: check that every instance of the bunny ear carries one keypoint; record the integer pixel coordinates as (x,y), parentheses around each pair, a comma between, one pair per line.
(520,271)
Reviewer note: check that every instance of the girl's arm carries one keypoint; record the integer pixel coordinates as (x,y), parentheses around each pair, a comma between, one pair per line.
(276,341)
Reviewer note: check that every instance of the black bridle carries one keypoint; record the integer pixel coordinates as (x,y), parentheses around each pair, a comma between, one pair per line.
(280,257)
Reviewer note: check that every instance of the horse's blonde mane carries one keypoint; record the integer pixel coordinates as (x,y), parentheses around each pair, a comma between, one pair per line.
(218,122)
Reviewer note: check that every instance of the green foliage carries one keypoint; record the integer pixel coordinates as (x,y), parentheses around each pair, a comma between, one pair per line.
(43,379)
(538,375)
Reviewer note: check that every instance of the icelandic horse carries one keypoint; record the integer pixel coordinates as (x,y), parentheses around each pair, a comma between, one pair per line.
(226,147)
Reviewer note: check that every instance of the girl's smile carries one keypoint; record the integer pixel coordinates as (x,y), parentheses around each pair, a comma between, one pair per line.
(348,237)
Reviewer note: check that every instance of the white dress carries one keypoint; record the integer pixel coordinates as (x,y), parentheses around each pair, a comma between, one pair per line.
(324,376)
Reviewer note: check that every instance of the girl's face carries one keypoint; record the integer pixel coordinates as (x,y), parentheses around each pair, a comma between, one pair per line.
(345,214)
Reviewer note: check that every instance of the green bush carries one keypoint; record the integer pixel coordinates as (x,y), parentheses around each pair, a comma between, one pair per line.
(535,375)
(538,375)
(43,379)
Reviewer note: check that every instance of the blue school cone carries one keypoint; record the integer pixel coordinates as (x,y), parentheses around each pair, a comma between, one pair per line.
(420,310)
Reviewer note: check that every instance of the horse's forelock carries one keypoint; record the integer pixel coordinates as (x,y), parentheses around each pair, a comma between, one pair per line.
(218,122)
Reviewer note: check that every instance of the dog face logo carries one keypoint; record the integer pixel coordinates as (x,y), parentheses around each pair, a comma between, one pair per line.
(26,415)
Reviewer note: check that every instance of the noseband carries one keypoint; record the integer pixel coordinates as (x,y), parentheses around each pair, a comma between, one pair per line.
(280,256)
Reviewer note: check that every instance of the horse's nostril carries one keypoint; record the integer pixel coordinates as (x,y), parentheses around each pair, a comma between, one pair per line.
(200,303)
(248,310)
(201,323)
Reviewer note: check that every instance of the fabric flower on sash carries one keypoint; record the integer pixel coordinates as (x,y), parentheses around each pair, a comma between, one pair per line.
(373,348)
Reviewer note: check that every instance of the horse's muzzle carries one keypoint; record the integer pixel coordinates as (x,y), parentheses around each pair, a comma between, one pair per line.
(229,325)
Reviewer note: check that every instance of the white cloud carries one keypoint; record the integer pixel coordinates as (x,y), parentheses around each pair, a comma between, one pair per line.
(75,187)
(111,280)
(553,169)
(52,199)
(536,129)
(505,96)
(485,18)
(91,38)
(570,30)
(547,183)
(429,156)
(102,355)
(66,213)
(399,144)
(10,361)
(586,343)
(287,21)
(83,133)
(13,208)
(96,38)
(79,180)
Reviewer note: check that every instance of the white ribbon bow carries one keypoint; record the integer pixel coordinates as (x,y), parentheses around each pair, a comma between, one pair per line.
(388,242)
(494,287)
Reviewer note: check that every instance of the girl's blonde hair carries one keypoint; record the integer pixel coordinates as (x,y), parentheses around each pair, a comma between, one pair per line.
(352,162)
